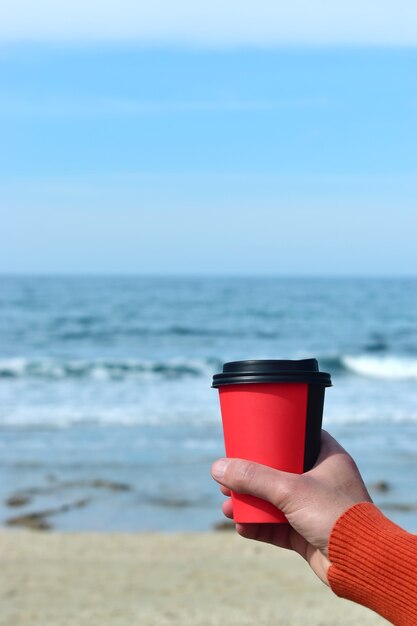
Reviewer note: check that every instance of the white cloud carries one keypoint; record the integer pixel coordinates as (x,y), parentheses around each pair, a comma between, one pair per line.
(211,22)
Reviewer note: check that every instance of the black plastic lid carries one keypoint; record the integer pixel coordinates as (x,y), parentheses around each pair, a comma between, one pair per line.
(272,371)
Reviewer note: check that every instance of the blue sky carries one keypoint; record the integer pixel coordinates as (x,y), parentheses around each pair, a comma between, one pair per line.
(133,154)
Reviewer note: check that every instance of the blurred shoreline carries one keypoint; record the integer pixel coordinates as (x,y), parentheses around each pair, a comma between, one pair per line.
(106,503)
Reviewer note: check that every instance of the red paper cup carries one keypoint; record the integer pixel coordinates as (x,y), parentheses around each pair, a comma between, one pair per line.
(272,414)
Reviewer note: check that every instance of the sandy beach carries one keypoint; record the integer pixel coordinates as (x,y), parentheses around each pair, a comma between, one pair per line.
(57,579)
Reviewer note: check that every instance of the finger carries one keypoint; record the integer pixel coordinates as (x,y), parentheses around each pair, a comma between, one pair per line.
(275,534)
(284,536)
(258,480)
(280,535)
(330,455)
(329,445)
(227,508)
(225,491)
(330,449)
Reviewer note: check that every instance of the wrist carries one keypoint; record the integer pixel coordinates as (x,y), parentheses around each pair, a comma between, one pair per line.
(373,563)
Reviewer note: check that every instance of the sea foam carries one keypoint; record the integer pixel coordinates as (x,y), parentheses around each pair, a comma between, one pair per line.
(102,369)
(387,367)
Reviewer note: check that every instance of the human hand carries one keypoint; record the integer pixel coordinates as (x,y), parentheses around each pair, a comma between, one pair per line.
(311,502)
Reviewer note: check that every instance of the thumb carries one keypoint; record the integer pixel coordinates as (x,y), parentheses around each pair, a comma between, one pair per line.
(255,479)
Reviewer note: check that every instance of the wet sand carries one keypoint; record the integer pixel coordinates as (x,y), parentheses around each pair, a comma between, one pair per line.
(151,579)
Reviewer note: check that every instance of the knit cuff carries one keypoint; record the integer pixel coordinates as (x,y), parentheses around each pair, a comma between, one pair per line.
(374,563)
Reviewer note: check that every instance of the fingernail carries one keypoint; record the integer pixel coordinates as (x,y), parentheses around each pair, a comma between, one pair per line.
(219,467)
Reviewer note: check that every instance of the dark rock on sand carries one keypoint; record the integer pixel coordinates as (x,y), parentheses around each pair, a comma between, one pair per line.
(38,520)
(17,499)
(401,507)
(56,486)
(32,521)
(220,526)
(381,485)
(99,483)
(170,502)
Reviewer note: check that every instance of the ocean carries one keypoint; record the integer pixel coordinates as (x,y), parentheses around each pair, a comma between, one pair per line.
(107,418)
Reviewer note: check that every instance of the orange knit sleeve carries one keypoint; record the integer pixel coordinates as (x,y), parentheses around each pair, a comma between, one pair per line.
(374,563)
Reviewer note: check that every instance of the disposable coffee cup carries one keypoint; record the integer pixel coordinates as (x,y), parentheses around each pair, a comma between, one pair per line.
(272,414)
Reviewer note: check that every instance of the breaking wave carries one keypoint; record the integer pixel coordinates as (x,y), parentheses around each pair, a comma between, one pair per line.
(58,369)
(384,367)
(387,367)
